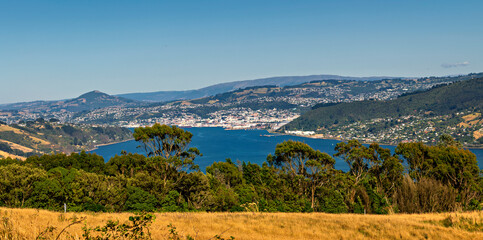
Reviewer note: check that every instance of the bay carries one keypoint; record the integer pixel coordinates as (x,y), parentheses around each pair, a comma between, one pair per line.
(217,144)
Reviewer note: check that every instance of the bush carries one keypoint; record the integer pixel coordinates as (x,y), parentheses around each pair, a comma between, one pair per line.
(332,201)
(139,200)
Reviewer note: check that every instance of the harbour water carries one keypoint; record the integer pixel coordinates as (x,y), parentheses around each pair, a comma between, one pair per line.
(217,144)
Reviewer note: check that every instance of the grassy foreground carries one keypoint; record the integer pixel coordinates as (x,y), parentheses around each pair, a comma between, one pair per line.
(28,223)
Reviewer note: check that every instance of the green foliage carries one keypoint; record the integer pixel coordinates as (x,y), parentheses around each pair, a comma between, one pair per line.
(169,142)
(126,164)
(89,162)
(171,202)
(444,100)
(447,164)
(8,161)
(296,178)
(332,201)
(139,200)
(17,184)
(226,173)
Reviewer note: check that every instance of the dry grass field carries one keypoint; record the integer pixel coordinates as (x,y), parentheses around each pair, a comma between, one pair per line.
(28,223)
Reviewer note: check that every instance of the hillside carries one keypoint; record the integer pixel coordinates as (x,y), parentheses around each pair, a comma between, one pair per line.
(23,224)
(446,105)
(265,106)
(88,101)
(162,96)
(40,137)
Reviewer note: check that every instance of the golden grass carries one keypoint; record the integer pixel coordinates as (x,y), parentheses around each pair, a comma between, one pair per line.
(6,155)
(5,128)
(478,134)
(28,223)
(471,117)
(17,146)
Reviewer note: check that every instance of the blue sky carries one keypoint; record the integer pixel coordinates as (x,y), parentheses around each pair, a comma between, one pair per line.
(61,49)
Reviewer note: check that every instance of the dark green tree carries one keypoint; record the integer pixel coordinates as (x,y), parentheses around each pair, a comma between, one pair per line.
(306,166)
(168,147)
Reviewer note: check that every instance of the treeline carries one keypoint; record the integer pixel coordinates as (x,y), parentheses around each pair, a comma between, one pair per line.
(295,178)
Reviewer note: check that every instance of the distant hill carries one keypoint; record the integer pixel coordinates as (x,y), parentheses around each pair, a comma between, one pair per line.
(88,101)
(162,96)
(445,99)
(454,109)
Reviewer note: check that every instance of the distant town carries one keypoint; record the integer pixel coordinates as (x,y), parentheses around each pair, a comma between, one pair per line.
(262,107)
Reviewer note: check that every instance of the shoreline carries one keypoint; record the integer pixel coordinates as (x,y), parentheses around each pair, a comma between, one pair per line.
(363,142)
(107,144)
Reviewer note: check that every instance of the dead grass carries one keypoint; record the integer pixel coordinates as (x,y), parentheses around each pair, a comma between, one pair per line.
(4,128)
(478,134)
(17,146)
(6,155)
(28,223)
(471,117)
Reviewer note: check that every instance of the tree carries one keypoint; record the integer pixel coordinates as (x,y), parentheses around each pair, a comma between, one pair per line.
(319,170)
(447,163)
(302,162)
(357,156)
(165,141)
(370,165)
(126,164)
(386,169)
(17,183)
(226,173)
(446,141)
(167,147)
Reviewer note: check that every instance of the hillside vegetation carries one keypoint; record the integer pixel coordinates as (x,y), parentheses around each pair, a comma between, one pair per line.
(41,137)
(446,104)
(295,178)
(23,224)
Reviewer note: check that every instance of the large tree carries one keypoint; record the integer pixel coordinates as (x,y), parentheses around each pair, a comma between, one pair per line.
(307,167)
(168,149)
(447,163)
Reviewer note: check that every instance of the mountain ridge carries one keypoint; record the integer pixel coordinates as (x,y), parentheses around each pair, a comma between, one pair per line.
(87,101)
(161,96)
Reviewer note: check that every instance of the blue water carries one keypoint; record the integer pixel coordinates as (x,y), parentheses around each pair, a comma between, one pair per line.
(217,144)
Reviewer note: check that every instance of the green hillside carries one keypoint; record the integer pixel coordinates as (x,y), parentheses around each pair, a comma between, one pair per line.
(447,103)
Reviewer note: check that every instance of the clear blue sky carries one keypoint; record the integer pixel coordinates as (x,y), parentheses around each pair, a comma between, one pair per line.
(61,49)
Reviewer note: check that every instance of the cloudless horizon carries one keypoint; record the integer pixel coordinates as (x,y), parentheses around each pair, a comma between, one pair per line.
(52,50)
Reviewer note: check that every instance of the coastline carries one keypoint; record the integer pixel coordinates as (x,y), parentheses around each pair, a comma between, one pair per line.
(316,136)
(107,144)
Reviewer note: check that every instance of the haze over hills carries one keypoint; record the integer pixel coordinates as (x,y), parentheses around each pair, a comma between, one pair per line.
(162,96)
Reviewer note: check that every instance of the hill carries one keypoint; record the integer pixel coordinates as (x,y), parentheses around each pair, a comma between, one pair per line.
(163,96)
(445,104)
(40,137)
(28,224)
(265,106)
(88,101)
